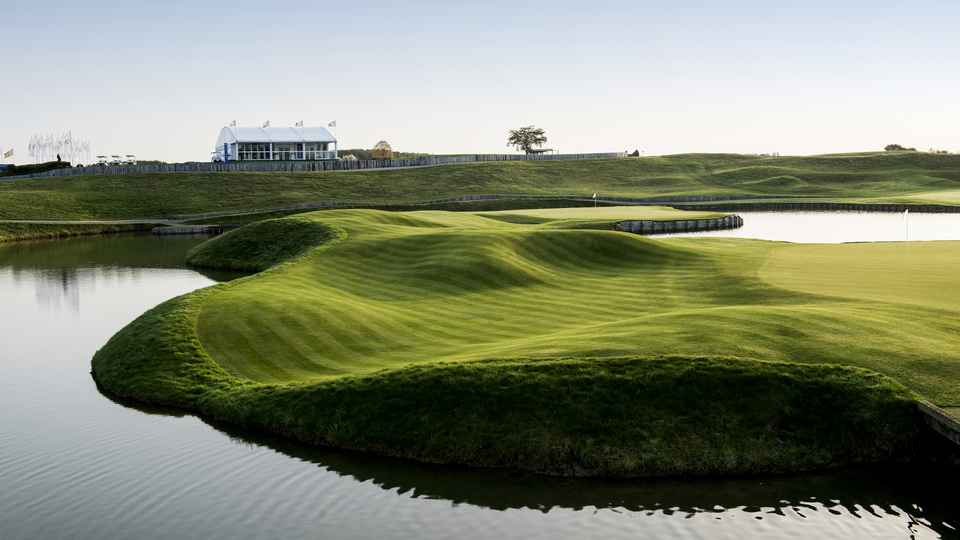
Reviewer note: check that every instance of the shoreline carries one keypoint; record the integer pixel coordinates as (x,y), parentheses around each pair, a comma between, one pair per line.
(546,415)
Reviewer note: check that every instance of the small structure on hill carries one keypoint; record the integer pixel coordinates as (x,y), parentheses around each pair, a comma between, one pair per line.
(275,144)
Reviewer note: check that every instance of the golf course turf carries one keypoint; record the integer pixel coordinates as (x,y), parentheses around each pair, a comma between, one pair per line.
(888,177)
(523,339)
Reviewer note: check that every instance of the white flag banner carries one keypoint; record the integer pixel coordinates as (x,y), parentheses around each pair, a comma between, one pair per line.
(332,124)
(233,123)
(299,124)
(266,124)
(45,148)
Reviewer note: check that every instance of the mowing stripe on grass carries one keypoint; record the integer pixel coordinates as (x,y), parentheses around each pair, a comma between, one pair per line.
(433,286)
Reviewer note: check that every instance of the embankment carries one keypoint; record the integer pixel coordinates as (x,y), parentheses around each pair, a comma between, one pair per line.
(602,414)
(649,227)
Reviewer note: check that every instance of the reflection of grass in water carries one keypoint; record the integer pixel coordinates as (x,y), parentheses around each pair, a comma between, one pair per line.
(134,250)
(301,350)
(35,231)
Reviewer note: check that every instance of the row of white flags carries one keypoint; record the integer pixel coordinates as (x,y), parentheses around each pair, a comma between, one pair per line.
(44,149)
(266,124)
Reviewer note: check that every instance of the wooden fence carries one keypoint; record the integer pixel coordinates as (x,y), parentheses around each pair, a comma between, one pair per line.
(312,166)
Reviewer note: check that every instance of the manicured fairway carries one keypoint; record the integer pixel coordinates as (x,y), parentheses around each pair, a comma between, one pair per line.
(926,274)
(433,286)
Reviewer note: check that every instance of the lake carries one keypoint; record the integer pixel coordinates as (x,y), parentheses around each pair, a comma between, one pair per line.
(839,227)
(76,462)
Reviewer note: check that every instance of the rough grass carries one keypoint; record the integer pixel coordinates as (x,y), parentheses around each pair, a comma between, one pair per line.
(611,353)
(36,231)
(869,177)
(262,245)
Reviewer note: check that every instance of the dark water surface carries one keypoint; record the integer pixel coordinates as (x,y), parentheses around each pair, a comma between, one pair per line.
(78,463)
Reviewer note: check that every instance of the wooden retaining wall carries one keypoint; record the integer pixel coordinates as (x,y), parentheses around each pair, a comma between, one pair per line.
(648,227)
(941,421)
(193,229)
(312,166)
(817,207)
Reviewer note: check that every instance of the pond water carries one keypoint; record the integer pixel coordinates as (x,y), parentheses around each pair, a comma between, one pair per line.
(838,227)
(76,462)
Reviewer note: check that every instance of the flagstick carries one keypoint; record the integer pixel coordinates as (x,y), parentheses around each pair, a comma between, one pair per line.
(908,233)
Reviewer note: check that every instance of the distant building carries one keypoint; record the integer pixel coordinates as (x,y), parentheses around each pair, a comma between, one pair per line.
(275,144)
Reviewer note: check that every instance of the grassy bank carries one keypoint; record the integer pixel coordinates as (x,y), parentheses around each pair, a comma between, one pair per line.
(36,231)
(463,339)
(870,177)
(264,244)
(489,205)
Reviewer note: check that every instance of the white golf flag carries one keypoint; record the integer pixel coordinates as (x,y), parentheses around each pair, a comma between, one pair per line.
(594,195)
(332,124)
(266,124)
(299,124)
(233,123)
(904,216)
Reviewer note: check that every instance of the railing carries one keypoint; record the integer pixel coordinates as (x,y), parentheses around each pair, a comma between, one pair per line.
(284,155)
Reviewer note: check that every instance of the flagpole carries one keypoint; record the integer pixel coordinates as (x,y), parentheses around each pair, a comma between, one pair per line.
(906,217)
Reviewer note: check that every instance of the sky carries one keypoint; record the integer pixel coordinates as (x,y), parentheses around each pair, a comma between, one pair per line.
(161,79)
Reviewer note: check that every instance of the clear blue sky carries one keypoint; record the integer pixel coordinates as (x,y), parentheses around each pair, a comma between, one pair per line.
(161,79)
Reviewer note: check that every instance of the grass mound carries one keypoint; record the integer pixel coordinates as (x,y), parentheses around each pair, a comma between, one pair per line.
(610,416)
(259,246)
(619,416)
(775,182)
(614,354)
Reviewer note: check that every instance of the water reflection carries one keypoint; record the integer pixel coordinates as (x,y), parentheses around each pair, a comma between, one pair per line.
(74,464)
(61,270)
(920,495)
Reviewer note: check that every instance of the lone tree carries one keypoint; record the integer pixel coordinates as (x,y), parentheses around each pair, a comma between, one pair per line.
(897,147)
(382,150)
(526,138)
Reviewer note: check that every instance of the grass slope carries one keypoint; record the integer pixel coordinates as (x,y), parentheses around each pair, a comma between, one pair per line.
(610,416)
(612,353)
(416,287)
(10,232)
(264,244)
(885,176)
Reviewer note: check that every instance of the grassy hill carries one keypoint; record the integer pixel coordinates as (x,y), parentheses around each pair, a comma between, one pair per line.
(461,338)
(873,177)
